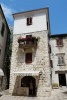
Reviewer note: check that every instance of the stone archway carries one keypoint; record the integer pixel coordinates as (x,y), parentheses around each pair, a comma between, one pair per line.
(30,82)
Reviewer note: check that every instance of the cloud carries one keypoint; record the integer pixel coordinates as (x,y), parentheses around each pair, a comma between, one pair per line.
(7,11)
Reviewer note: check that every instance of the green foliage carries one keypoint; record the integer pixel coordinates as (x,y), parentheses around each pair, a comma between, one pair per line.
(7,62)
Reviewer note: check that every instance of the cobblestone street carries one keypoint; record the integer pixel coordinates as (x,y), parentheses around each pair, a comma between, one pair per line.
(57,94)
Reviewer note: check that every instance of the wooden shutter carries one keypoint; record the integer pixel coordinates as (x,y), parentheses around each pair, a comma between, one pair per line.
(29,21)
(59,60)
(28,58)
(51,62)
(28,39)
(2,30)
(0,23)
(59,41)
(0,51)
(62,60)
(49,48)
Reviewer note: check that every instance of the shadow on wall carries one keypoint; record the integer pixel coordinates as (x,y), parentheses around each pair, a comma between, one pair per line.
(15,86)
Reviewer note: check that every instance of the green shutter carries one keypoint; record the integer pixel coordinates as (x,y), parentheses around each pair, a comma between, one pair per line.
(2,30)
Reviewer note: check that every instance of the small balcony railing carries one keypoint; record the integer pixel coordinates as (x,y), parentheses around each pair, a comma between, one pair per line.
(28,42)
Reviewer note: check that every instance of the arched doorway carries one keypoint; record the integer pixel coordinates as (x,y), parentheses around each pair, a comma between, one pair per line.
(30,82)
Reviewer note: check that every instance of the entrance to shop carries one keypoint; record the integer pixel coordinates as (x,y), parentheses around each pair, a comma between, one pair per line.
(30,82)
(62,79)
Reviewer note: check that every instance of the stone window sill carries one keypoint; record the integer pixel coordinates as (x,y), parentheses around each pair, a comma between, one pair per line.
(28,62)
(59,46)
(61,65)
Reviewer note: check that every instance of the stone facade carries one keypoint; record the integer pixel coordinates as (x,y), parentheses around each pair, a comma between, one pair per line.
(40,70)
(40,63)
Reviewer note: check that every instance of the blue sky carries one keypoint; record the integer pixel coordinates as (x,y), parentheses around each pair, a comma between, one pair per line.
(57,11)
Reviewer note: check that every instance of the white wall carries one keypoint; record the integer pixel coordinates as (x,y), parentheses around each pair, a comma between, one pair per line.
(38,24)
(55,78)
(55,50)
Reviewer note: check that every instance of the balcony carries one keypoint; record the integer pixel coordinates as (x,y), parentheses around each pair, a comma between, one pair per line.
(28,42)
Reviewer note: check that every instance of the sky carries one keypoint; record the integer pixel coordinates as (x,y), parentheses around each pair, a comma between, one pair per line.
(57,11)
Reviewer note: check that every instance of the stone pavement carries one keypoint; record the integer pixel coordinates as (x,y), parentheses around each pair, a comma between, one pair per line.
(57,94)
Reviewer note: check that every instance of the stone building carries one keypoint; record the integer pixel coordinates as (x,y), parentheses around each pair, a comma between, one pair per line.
(4,31)
(58,54)
(39,59)
(30,63)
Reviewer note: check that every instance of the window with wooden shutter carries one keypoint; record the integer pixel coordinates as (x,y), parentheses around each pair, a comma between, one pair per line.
(29,21)
(2,30)
(59,42)
(28,39)
(28,36)
(28,58)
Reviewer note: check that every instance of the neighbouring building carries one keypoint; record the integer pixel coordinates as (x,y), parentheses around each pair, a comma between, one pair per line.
(30,63)
(58,54)
(4,31)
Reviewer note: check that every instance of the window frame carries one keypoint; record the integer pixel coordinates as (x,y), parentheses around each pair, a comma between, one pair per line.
(28,60)
(29,21)
(61,59)
(59,42)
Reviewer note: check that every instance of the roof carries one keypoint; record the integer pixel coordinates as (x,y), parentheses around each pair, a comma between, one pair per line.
(58,35)
(4,18)
(46,8)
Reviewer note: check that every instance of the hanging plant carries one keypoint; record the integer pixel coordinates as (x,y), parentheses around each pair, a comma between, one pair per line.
(21,39)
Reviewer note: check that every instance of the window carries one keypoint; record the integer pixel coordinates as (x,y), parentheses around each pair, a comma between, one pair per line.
(47,25)
(51,62)
(29,39)
(29,21)
(28,58)
(0,51)
(28,36)
(49,48)
(2,30)
(61,60)
(59,42)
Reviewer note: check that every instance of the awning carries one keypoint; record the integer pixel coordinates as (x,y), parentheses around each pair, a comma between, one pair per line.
(1,72)
(27,73)
(61,71)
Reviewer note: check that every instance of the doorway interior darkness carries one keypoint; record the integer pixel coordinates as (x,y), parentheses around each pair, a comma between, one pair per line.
(62,79)
(25,82)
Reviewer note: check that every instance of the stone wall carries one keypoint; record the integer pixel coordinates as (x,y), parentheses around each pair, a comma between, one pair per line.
(40,63)
(2,48)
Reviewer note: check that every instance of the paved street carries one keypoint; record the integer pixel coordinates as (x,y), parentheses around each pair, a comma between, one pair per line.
(57,94)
